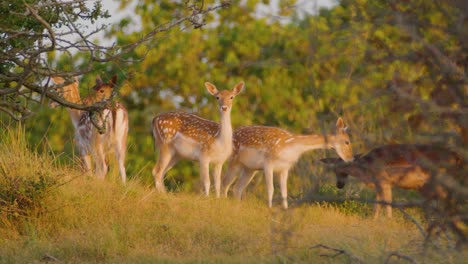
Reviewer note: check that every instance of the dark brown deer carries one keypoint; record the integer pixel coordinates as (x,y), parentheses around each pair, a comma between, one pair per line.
(405,166)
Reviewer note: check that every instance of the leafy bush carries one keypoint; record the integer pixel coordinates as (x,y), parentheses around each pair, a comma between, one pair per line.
(27,180)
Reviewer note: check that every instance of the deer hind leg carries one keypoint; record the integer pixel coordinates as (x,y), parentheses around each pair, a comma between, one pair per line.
(172,162)
(232,172)
(284,188)
(246,176)
(161,167)
(120,156)
(268,171)
(121,133)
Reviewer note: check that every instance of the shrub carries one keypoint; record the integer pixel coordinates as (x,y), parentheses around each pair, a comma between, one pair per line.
(27,179)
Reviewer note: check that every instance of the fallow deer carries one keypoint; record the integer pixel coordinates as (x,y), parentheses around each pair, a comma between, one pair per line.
(405,166)
(180,135)
(89,142)
(272,150)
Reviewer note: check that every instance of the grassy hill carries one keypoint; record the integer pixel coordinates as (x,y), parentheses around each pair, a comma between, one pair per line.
(50,212)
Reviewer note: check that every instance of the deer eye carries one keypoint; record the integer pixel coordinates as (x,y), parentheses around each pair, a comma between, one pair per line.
(232,97)
(102,91)
(217,97)
(346,142)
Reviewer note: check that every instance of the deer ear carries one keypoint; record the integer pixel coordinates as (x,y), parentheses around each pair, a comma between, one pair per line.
(340,125)
(113,80)
(211,88)
(238,88)
(98,80)
(57,80)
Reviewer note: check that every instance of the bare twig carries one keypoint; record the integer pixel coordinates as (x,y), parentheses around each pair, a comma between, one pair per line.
(29,63)
(337,252)
(45,24)
(409,217)
(399,256)
(50,258)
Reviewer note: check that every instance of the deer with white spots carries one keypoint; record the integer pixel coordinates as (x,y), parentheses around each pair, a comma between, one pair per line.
(180,135)
(89,142)
(273,150)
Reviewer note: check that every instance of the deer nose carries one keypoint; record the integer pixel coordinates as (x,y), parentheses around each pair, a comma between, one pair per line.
(224,108)
(53,104)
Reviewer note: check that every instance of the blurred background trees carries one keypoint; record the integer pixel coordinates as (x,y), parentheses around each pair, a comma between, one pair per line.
(395,70)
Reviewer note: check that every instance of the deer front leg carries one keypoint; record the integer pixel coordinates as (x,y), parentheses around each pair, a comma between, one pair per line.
(217,168)
(85,158)
(387,198)
(100,162)
(378,200)
(268,171)
(284,188)
(205,175)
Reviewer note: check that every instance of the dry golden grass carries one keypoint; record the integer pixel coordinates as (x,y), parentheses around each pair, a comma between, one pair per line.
(93,221)
(89,221)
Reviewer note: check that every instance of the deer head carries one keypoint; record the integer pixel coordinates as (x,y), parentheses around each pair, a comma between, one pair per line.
(342,144)
(103,91)
(224,97)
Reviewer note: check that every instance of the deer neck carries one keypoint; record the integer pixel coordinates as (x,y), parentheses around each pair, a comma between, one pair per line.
(224,137)
(303,143)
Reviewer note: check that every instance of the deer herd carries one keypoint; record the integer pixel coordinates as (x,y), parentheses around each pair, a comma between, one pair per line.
(248,149)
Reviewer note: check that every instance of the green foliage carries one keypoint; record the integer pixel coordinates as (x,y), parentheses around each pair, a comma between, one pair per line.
(355,60)
(343,201)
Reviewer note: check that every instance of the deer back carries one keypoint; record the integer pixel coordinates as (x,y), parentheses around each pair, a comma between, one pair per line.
(260,137)
(168,125)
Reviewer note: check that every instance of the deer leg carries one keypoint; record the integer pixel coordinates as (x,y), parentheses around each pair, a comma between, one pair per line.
(85,158)
(232,172)
(120,153)
(387,198)
(171,163)
(268,171)
(245,178)
(217,178)
(165,156)
(378,200)
(205,175)
(284,188)
(100,162)
(120,145)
